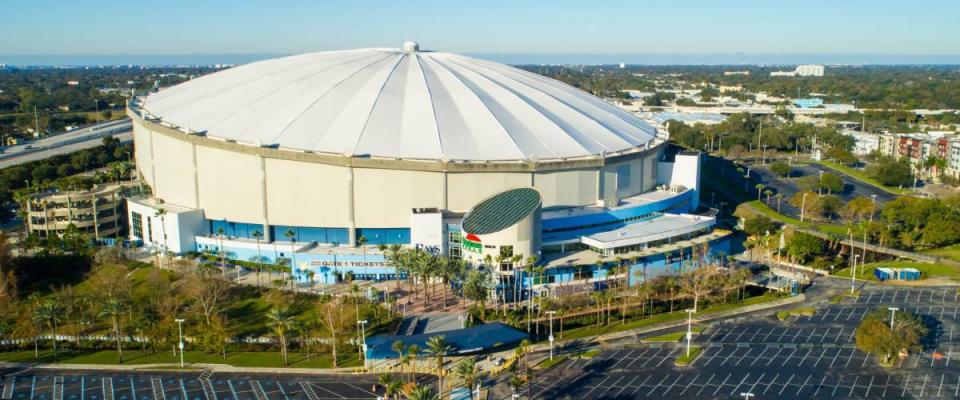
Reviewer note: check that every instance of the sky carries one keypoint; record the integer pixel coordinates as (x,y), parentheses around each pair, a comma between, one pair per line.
(516,30)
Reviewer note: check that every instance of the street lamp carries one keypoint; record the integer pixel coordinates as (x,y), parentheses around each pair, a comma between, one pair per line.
(893,312)
(180,330)
(763,161)
(853,274)
(690,312)
(820,183)
(363,337)
(550,313)
(747,395)
(873,208)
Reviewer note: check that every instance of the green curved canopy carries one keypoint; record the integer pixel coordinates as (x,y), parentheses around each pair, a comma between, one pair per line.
(501,211)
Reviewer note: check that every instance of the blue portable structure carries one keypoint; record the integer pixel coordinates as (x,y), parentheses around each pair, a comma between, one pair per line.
(897,274)
(883,274)
(908,274)
(470,340)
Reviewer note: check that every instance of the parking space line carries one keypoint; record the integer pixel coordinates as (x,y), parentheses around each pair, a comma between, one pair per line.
(824,336)
(785,384)
(885,386)
(622,359)
(789,357)
(850,357)
(756,382)
(819,386)
(672,384)
(854,386)
(638,357)
(665,357)
(779,350)
(838,335)
(956,393)
(905,386)
(638,387)
(721,384)
(658,385)
(770,384)
(866,394)
(283,392)
(692,382)
(743,356)
(586,395)
(714,374)
(805,381)
(758,357)
(612,386)
(626,386)
(922,388)
(740,384)
(940,387)
(804,358)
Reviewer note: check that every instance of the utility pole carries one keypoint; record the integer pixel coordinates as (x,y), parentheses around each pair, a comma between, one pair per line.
(893,312)
(180,330)
(853,274)
(36,123)
(363,346)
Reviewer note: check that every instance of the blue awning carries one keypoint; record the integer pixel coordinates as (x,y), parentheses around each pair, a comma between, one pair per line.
(469,340)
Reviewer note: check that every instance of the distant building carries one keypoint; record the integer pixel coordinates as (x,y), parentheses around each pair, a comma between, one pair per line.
(731,88)
(808,103)
(97,212)
(864,143)
(801,70)
(729,73)
(73,83)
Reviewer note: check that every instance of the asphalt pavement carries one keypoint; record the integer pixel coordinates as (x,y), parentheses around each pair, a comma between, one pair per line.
(65,143)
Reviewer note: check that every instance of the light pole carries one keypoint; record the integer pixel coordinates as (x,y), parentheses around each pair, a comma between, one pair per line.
(853,273)
(873,208)
(763,161)
(550,313)
(747,395)
(820,183)
(690,312)
(803,204)
(363,337)
(180,330)
(893,312)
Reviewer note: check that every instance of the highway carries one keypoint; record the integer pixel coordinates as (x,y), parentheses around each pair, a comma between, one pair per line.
(65,143)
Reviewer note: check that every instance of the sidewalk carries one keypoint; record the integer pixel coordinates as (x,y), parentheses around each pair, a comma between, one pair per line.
(196,367)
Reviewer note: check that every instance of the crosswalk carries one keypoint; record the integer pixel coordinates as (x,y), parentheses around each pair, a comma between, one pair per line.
(208,391)
(157,385)
(258,391)
(58,388)
(107,388)
(7,393)
(308,390)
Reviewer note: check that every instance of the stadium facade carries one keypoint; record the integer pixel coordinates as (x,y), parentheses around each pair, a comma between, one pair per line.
(317,159)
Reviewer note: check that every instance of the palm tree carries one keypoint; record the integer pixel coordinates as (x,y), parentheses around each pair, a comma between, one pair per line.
(391,386)
(281,322)
(162,213)
(779,197)
(50,313)
(760,188)
(768,193)
(398,347)
(414,352)
(438,347)
(447,271)
(289,234)
(422,393)
(362,241)
(115,309)
(259,236)
(468,373)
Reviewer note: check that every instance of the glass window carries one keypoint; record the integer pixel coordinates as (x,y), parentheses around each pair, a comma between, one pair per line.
(136,221)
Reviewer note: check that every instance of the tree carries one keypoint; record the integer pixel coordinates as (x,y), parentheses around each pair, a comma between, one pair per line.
(115,308)
(438,347)
(477,288)
(760,188)
(50,313)
(801,247)
(858,209)
(281,322)
(258,236)
(391,386)
(874,335)
(781,168)
(891,171)
(468,373)
(831,183)
(289,234)
(336,320)
(422,393)
(758,224)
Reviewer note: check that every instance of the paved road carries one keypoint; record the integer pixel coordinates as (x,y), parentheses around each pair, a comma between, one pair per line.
(807,357)
(788,187)
(64,143)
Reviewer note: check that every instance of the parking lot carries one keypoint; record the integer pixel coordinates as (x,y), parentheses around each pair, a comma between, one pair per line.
(76,385)
(801,357)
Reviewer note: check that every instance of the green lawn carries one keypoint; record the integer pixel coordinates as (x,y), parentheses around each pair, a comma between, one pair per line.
(862,176)
(683,360)
(807,311)
(547,363)
(673,336)
(951,252)
(832,229)
(135,357)
(926,270)
(594,330)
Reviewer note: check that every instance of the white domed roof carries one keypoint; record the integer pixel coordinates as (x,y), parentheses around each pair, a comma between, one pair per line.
(399,103)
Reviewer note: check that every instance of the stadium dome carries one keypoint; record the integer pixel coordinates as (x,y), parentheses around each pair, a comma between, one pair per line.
(399,104)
